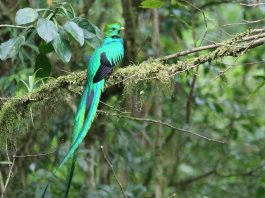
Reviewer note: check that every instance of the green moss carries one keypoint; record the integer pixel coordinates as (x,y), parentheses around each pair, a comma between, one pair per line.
(15,115)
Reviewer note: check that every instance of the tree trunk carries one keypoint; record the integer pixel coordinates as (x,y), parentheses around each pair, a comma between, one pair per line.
(130,14)
(158,112)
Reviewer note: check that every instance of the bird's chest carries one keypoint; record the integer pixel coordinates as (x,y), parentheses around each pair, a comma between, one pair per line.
(114,53)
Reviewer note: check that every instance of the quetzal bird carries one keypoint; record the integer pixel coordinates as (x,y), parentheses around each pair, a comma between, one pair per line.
(100,65)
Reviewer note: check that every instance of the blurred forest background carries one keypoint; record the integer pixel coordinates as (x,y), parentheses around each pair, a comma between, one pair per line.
(177,119)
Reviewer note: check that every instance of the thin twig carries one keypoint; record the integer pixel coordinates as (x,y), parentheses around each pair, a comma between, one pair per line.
(164,124)
(114,108)
(186,52)
(243,174)
(212,46)
(7,155)
(254,37)
(205,17)
(243,23)
(249,44)
(196,178)
(5,163)
(28,99)
(10,170)
(1,182)
(111,166)
(173,195)
(8,177)
(13,26)
(34,155)
(252,5)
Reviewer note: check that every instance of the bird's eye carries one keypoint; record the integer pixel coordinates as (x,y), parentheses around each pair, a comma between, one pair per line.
(119,32)
(113,28)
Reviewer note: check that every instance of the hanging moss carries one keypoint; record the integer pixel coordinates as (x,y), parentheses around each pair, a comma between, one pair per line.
(138,77)
(16,115)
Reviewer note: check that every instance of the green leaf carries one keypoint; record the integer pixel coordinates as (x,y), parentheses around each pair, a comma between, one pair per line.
(47,30)
(62,48)
(94,42)
(45,48)
(42,66)
(64,11)
(152,4)
(262,84)
(11,47)
(99,33)
(259,77)
(77,32)
(88,28)
(96,39)
(25,16)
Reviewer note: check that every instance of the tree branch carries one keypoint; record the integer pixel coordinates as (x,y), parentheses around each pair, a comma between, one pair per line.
(147,70)
(10,172)
(215,172)
(13,26)
(252,5)
(164,124)
(194,179)
(245,37)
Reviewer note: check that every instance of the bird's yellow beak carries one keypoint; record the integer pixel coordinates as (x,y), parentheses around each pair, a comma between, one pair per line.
(122,28)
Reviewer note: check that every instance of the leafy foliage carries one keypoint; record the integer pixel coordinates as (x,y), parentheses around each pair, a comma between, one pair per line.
(11,47)
(226,103)
(62,48)
(49,29)
(42,64)
(77,33)
(25,16)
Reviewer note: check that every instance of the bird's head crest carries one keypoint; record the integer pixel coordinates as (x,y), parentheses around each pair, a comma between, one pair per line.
(113,30)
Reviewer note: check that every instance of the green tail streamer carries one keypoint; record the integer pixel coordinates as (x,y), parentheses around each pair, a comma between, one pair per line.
(84,117)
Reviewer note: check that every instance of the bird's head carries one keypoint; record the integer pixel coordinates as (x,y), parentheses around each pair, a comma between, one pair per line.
(113,30)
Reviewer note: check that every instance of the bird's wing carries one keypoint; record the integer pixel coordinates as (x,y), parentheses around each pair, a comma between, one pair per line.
(108,61)
(104,69)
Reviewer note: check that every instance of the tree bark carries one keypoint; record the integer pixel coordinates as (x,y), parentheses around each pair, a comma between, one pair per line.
(158,112)
(130,15)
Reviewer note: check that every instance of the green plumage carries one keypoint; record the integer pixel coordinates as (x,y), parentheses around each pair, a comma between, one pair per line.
(113,48)
(82,122)
(100,65)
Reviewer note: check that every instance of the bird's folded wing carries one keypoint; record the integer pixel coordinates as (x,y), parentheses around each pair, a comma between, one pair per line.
(104,69)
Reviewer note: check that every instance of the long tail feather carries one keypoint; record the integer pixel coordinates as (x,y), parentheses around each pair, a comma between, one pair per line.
(71,174)
(95,89)
(79,121)
(84,117)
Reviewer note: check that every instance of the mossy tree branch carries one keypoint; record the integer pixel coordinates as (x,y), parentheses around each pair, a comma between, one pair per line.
(147,70)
